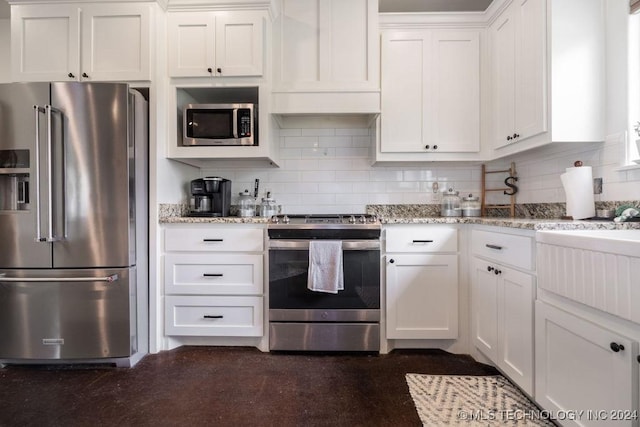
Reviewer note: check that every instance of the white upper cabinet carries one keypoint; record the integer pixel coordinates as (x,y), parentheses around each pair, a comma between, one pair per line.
(518,37)
(204,44)
(328,46)
(90,41)
(547,72)
(430,83)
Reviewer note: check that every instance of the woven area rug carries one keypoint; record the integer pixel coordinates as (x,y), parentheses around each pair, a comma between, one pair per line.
(472,401)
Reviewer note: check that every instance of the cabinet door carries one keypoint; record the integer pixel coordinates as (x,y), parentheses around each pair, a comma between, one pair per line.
(191,44)
(530,69)
(115,42)
(455,121)
(484,294)
(45,42)
(515,326)
(327,44)
(422,296)
(406,100)
(577,369)
(239,41)
(503,73)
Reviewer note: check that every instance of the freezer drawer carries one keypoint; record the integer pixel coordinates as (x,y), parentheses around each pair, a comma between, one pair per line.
(78,314)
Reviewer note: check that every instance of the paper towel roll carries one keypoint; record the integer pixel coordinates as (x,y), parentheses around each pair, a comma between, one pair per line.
(578,188)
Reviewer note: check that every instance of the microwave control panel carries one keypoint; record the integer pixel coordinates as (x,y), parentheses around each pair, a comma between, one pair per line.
(244,122)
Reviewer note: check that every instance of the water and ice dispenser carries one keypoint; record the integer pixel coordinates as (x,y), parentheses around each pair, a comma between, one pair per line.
(14,180)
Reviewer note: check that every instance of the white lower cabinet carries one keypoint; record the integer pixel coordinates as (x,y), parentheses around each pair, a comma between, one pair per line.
(585,368)
(230,316)
(214,280)
(503,319)
(502,303)
(421,282)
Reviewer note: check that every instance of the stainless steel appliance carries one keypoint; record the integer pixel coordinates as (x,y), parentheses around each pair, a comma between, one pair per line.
(210,196)
(305,320)
(219,124)
(73,268)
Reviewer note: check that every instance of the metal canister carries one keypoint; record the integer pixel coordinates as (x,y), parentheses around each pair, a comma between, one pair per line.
(471,206)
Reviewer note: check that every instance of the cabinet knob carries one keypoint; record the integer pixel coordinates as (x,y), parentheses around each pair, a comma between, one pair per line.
(509,138)
(638,359)
(71,76)
(85,75)
(427,146)
(392,260)
(497,271)
(219,70)
(616,347)
(489,268)
(515,135)
(435,147)
(209,70)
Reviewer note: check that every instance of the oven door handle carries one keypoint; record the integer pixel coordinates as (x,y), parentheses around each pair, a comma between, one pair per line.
(347,245)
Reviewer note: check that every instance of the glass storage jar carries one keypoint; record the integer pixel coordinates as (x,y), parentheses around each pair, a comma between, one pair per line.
(246,205)
(471,206)
(450,203)
(268,207)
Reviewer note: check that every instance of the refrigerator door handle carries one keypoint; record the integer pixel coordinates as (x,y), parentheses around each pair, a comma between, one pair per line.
(50,236)
(108,279)
(37,109)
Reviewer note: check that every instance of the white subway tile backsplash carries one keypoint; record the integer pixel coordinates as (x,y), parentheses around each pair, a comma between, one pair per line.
(327,170)
(317,132)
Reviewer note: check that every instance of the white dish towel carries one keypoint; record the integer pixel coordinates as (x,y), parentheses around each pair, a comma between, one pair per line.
(325,266)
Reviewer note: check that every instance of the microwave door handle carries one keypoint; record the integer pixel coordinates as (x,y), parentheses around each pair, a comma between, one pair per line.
(235,123)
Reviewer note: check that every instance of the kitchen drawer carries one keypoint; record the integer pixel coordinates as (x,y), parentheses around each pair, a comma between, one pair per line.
(207,274)
(213,239)
(227,316)
(421,238)
(509,249)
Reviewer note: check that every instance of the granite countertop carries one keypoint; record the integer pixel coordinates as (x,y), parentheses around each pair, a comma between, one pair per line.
(419,214)
(212,220)
(522,223)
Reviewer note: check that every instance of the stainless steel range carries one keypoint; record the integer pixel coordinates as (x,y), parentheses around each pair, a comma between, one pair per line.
(301,319)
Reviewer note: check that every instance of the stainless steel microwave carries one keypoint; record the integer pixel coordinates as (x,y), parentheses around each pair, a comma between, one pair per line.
(219,124)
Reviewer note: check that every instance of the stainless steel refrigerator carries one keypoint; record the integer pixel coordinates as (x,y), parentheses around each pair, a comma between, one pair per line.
(73,223)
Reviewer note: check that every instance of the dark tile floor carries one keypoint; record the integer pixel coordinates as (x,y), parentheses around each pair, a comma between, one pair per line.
(216,386)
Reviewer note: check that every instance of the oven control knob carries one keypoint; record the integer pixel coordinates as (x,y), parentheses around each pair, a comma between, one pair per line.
(275,219)
(362,219)
(352,219)
(285,219)
(372,219)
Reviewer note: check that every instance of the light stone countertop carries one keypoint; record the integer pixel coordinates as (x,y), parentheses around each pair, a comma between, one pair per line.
(522,223)
(212,220)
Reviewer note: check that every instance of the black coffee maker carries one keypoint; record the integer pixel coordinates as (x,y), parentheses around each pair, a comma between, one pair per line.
(210,196)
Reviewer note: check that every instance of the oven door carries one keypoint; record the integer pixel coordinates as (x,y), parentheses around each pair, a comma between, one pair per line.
(288,271)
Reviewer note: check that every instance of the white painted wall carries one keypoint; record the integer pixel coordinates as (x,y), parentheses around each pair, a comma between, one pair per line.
(5,50)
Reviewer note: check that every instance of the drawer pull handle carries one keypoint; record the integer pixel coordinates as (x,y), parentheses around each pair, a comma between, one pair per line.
(423,241)
(616,347)
(210,316)
(212,240)
(212,275)
(490,246)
